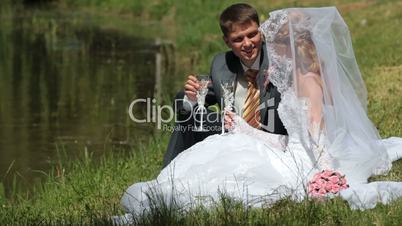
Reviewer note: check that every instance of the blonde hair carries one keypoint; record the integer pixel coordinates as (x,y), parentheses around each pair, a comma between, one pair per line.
(306,54)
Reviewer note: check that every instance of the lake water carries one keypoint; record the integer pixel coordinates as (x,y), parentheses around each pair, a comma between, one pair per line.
(65,86)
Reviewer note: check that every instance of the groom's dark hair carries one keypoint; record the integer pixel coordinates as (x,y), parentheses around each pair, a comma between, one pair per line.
(240,13)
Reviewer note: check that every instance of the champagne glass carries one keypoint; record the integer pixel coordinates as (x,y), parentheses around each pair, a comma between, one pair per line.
(203,81)
(227,86)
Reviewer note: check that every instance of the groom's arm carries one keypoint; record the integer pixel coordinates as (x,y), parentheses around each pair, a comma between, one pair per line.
(189,100)
(185,103)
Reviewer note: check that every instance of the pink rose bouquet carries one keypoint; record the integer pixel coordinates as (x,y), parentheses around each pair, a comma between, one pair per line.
(326,183)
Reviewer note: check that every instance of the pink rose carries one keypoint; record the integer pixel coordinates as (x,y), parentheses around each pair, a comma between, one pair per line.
(317,177)
(327,173)
(320,182)
(343,181)
(328,187)
(310,188)
(313,187)
(322,191)
(338,174)
(335,188)
(334,179)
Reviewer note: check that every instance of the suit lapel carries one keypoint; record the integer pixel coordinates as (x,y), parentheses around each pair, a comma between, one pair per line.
(239,72)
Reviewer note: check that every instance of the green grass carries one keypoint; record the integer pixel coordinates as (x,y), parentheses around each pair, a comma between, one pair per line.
(88,191)
(84,190)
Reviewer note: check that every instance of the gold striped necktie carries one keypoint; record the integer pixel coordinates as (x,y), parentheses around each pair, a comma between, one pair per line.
(250,113)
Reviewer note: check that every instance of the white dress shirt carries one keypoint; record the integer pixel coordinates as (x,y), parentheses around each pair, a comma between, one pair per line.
(241,86)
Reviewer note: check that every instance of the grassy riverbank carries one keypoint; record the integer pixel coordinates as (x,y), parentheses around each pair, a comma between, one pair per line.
(88,191)
(84,190)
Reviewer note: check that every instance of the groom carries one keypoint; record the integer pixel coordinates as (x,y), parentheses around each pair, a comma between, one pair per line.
(255,99)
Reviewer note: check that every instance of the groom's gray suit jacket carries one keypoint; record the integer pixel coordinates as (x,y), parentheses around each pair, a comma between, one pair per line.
(225,66)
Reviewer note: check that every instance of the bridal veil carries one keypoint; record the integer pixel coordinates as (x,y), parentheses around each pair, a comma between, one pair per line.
(311,58)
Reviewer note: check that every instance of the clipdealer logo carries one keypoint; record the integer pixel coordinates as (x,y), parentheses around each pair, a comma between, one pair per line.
(159,114)
(164,114)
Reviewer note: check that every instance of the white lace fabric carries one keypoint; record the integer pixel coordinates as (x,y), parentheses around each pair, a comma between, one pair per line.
(277,141)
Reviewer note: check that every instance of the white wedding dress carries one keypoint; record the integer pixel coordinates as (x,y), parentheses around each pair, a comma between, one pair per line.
(260,168)
(252,166)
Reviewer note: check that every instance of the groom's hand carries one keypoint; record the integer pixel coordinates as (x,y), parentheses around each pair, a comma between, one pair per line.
(191,87)
(229,119)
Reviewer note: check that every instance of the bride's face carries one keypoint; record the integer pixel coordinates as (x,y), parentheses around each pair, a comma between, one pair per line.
(245,41)
(283,50)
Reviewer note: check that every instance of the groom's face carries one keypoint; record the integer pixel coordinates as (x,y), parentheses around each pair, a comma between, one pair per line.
(245,41)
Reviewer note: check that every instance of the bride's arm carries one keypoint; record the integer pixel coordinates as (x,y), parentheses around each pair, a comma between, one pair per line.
(316,98)
(311,88)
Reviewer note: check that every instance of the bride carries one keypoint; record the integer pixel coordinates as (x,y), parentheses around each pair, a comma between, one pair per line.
(323,107)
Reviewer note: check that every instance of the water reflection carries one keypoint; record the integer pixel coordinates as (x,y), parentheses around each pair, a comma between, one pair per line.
(69,85)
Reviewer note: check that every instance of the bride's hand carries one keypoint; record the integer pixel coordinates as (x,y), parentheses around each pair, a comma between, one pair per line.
(229,120)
